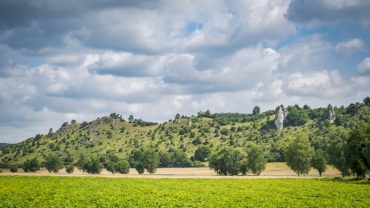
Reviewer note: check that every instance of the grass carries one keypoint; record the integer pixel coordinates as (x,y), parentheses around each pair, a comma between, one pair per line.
(118,192)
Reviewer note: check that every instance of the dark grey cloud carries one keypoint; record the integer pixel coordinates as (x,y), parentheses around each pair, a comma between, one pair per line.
(355,11)
(40,23)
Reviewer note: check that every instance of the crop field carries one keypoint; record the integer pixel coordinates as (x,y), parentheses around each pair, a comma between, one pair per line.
(31,191)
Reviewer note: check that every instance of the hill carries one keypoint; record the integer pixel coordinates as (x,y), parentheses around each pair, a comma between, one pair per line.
(180,137)
(3,145)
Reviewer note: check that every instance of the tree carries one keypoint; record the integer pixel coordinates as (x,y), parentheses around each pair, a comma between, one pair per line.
(298,154)
(69,168)
(13,168)
(255,159)
(357,149)
(140,168)
(53,163)
(337,150)
(227,161)
(136,156)
(243,168)
(256,110)
(110,166)
(319,161)
(31,165)
(122,166)
(151,161)
(367,101)
(296,117)
(93,166)
(165,159)
(202,153)
(81,162)
(180,159)
(131,118)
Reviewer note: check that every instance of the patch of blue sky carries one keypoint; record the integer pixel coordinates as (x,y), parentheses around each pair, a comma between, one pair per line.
(191,27)
(33,61)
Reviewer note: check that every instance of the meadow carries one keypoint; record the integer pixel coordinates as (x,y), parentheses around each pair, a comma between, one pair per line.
(31,191)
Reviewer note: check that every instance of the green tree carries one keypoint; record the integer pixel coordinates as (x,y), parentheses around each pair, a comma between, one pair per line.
(81,162)
(110,166)
(298,154)
(202,153)
(256,110)
(131,118)
(296,117)
(165,159)
(136,156)
(122,166)
(357,149)
(13,168)
(70,168)
(93,166)
(180,159)
(255,159)
(337,150)
(53,163)
(151,161)
(319,161)
(140,167)
(227,161)
(32,165)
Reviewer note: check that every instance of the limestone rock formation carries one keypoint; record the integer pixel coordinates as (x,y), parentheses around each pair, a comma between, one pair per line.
(331,113)
(281,114)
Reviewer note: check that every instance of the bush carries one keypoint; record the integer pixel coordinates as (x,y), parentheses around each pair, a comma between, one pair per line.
(93,166)
(140,168)
(151,161)
(202,153)
(53,163)
(31,165)
(122,167)
(13,168)
(226,162)
(70,169)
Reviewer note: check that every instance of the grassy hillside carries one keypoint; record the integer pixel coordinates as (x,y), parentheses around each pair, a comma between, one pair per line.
(114,135)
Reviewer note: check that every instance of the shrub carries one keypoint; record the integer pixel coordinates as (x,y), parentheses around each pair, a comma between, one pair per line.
(13,168)
(140,168)
(202,153)
(31,165)
(122,167)
(70,169)
(53,163)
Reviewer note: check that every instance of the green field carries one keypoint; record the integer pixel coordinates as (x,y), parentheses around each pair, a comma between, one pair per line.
(118,192)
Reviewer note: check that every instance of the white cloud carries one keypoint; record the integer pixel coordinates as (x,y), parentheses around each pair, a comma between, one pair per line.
(364,66)
(316,84)
(350,47)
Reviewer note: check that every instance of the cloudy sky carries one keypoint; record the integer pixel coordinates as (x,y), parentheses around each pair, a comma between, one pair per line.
(63,60)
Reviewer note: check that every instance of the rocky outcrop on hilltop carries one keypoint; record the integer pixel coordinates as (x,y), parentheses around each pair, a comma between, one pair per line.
(331,113)
(281,114)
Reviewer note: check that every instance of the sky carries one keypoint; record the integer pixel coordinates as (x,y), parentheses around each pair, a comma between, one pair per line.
(64,60)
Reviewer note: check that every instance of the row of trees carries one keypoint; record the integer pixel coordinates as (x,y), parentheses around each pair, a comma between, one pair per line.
(347,152)
(231,161)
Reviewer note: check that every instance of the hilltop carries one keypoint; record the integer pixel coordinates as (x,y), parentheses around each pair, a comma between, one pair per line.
(114,135)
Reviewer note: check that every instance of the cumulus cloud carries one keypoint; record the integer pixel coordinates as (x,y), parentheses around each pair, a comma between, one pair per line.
(63,60)
(349,47)
(364,66)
